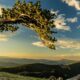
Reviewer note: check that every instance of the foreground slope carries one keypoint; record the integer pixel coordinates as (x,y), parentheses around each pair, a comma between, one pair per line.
(8,76)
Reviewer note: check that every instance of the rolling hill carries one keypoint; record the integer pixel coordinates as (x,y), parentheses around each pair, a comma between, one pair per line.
(45,70)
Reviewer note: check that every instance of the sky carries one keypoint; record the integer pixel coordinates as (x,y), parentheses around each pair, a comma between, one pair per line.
(25,43)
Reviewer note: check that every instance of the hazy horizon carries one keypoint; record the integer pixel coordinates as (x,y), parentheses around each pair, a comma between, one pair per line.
(56,57)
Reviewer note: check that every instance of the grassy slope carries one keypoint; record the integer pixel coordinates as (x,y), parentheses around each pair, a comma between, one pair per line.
(7,76)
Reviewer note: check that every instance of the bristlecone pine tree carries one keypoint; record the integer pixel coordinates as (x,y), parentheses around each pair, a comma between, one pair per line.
(32,16)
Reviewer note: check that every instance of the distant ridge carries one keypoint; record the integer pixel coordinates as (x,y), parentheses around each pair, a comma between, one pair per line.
(7,61)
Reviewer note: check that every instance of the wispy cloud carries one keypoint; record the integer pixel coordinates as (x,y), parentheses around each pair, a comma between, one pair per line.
(74,3)
(3,37)
(72,20)
(54,12)
(62,43)
(68,44)
(38,44)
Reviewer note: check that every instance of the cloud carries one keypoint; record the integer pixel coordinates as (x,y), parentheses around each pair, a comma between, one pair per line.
(78,13)
(1,6)
(54,12)
(38,44)
(72,20)
(63,44)
(60,23)
(43,43)
(74,3)
(68,44)
(0,10)
(78,27)
(3,37)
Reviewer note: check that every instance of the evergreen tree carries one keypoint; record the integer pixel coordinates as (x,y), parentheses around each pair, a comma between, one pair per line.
(30,15)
